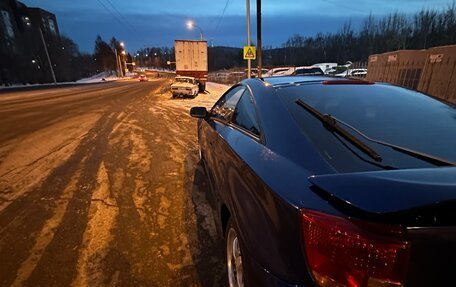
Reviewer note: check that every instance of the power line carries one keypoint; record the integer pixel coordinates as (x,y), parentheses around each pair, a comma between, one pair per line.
(221,16)
(110,12)
(125,19)
(120,20)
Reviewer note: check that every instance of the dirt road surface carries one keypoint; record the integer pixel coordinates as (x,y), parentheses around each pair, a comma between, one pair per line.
(100,186)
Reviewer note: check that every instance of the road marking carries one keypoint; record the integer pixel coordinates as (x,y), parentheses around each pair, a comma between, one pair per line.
(46,234)
(97,236)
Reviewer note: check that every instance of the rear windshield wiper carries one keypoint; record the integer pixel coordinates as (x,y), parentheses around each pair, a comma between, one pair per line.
(413,153)
(331,122)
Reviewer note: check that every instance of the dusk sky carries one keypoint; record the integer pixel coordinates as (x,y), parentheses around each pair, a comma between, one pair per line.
(143,23)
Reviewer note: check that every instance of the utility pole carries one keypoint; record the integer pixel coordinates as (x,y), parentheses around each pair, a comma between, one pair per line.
(117,62)
(260,64)
(47,55)
(249,63)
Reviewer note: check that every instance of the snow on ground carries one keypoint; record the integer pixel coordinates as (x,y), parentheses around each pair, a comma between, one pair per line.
(98,78)
(207,99)
(14,86)
(153,69)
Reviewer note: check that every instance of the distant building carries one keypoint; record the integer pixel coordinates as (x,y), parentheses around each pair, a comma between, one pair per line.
(22,53)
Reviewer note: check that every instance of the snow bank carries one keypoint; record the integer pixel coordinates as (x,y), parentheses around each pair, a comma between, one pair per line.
(98,78)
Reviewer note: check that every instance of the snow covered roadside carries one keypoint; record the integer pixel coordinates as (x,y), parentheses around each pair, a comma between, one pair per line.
(207,99)
(18,86)
(98,78)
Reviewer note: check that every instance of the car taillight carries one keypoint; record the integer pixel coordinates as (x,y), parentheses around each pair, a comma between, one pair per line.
(352,253)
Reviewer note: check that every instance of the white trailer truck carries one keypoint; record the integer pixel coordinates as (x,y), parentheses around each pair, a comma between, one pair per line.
(191,60)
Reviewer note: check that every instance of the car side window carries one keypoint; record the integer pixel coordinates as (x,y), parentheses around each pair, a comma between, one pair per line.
(245,115)
(225,106)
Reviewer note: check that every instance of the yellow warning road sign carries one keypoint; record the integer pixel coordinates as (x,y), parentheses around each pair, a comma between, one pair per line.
(249,53)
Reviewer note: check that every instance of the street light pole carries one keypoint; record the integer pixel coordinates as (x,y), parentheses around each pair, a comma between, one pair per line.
(249,63)
(117,62)
(47,55)
(122,71)
(191,24)
(123,59)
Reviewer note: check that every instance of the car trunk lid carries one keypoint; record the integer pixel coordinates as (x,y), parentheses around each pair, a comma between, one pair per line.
(392,191)
(423,200)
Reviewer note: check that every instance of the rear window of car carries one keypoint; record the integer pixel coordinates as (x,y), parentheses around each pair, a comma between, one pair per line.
(280,70)
(311,71)
(391,114)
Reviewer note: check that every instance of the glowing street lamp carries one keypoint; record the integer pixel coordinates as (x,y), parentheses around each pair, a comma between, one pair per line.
(191,24)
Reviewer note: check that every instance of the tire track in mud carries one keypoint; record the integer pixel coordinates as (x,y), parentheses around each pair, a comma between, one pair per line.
(68,244)
(46,235)
(155,239)
(168,251)
(137,214)
(57,266)
(23,220)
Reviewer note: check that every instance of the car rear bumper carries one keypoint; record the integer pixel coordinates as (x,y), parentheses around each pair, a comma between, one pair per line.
(182,93)
(259,276)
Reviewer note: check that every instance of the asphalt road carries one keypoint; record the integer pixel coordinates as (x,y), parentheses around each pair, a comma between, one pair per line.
(100,186)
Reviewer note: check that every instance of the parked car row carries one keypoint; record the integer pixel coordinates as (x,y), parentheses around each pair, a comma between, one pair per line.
(356,73)
(319,69)
(324,181)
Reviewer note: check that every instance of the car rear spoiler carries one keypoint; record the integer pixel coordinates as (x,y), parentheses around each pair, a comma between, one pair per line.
(383,192)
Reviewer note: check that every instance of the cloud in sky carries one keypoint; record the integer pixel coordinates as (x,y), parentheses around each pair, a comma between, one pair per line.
(154,22)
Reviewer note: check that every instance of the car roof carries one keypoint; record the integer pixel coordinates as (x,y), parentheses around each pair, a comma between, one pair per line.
(307,67)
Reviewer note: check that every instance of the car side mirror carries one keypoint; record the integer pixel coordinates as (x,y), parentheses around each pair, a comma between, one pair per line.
(198,112)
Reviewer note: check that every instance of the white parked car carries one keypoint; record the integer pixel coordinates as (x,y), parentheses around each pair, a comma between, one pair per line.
(184,87)
(281,71)
(326,67)
(358,73)
(308,71)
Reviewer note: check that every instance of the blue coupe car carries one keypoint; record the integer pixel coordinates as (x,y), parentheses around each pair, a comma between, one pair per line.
(323,181)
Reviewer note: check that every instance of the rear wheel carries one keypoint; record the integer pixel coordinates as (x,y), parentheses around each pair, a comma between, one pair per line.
(234,257)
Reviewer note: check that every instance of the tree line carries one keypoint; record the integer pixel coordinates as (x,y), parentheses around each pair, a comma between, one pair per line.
(104,56)
(396,31)
(424,29)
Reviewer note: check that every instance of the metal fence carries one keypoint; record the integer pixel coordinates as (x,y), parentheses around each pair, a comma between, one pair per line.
(431,71)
